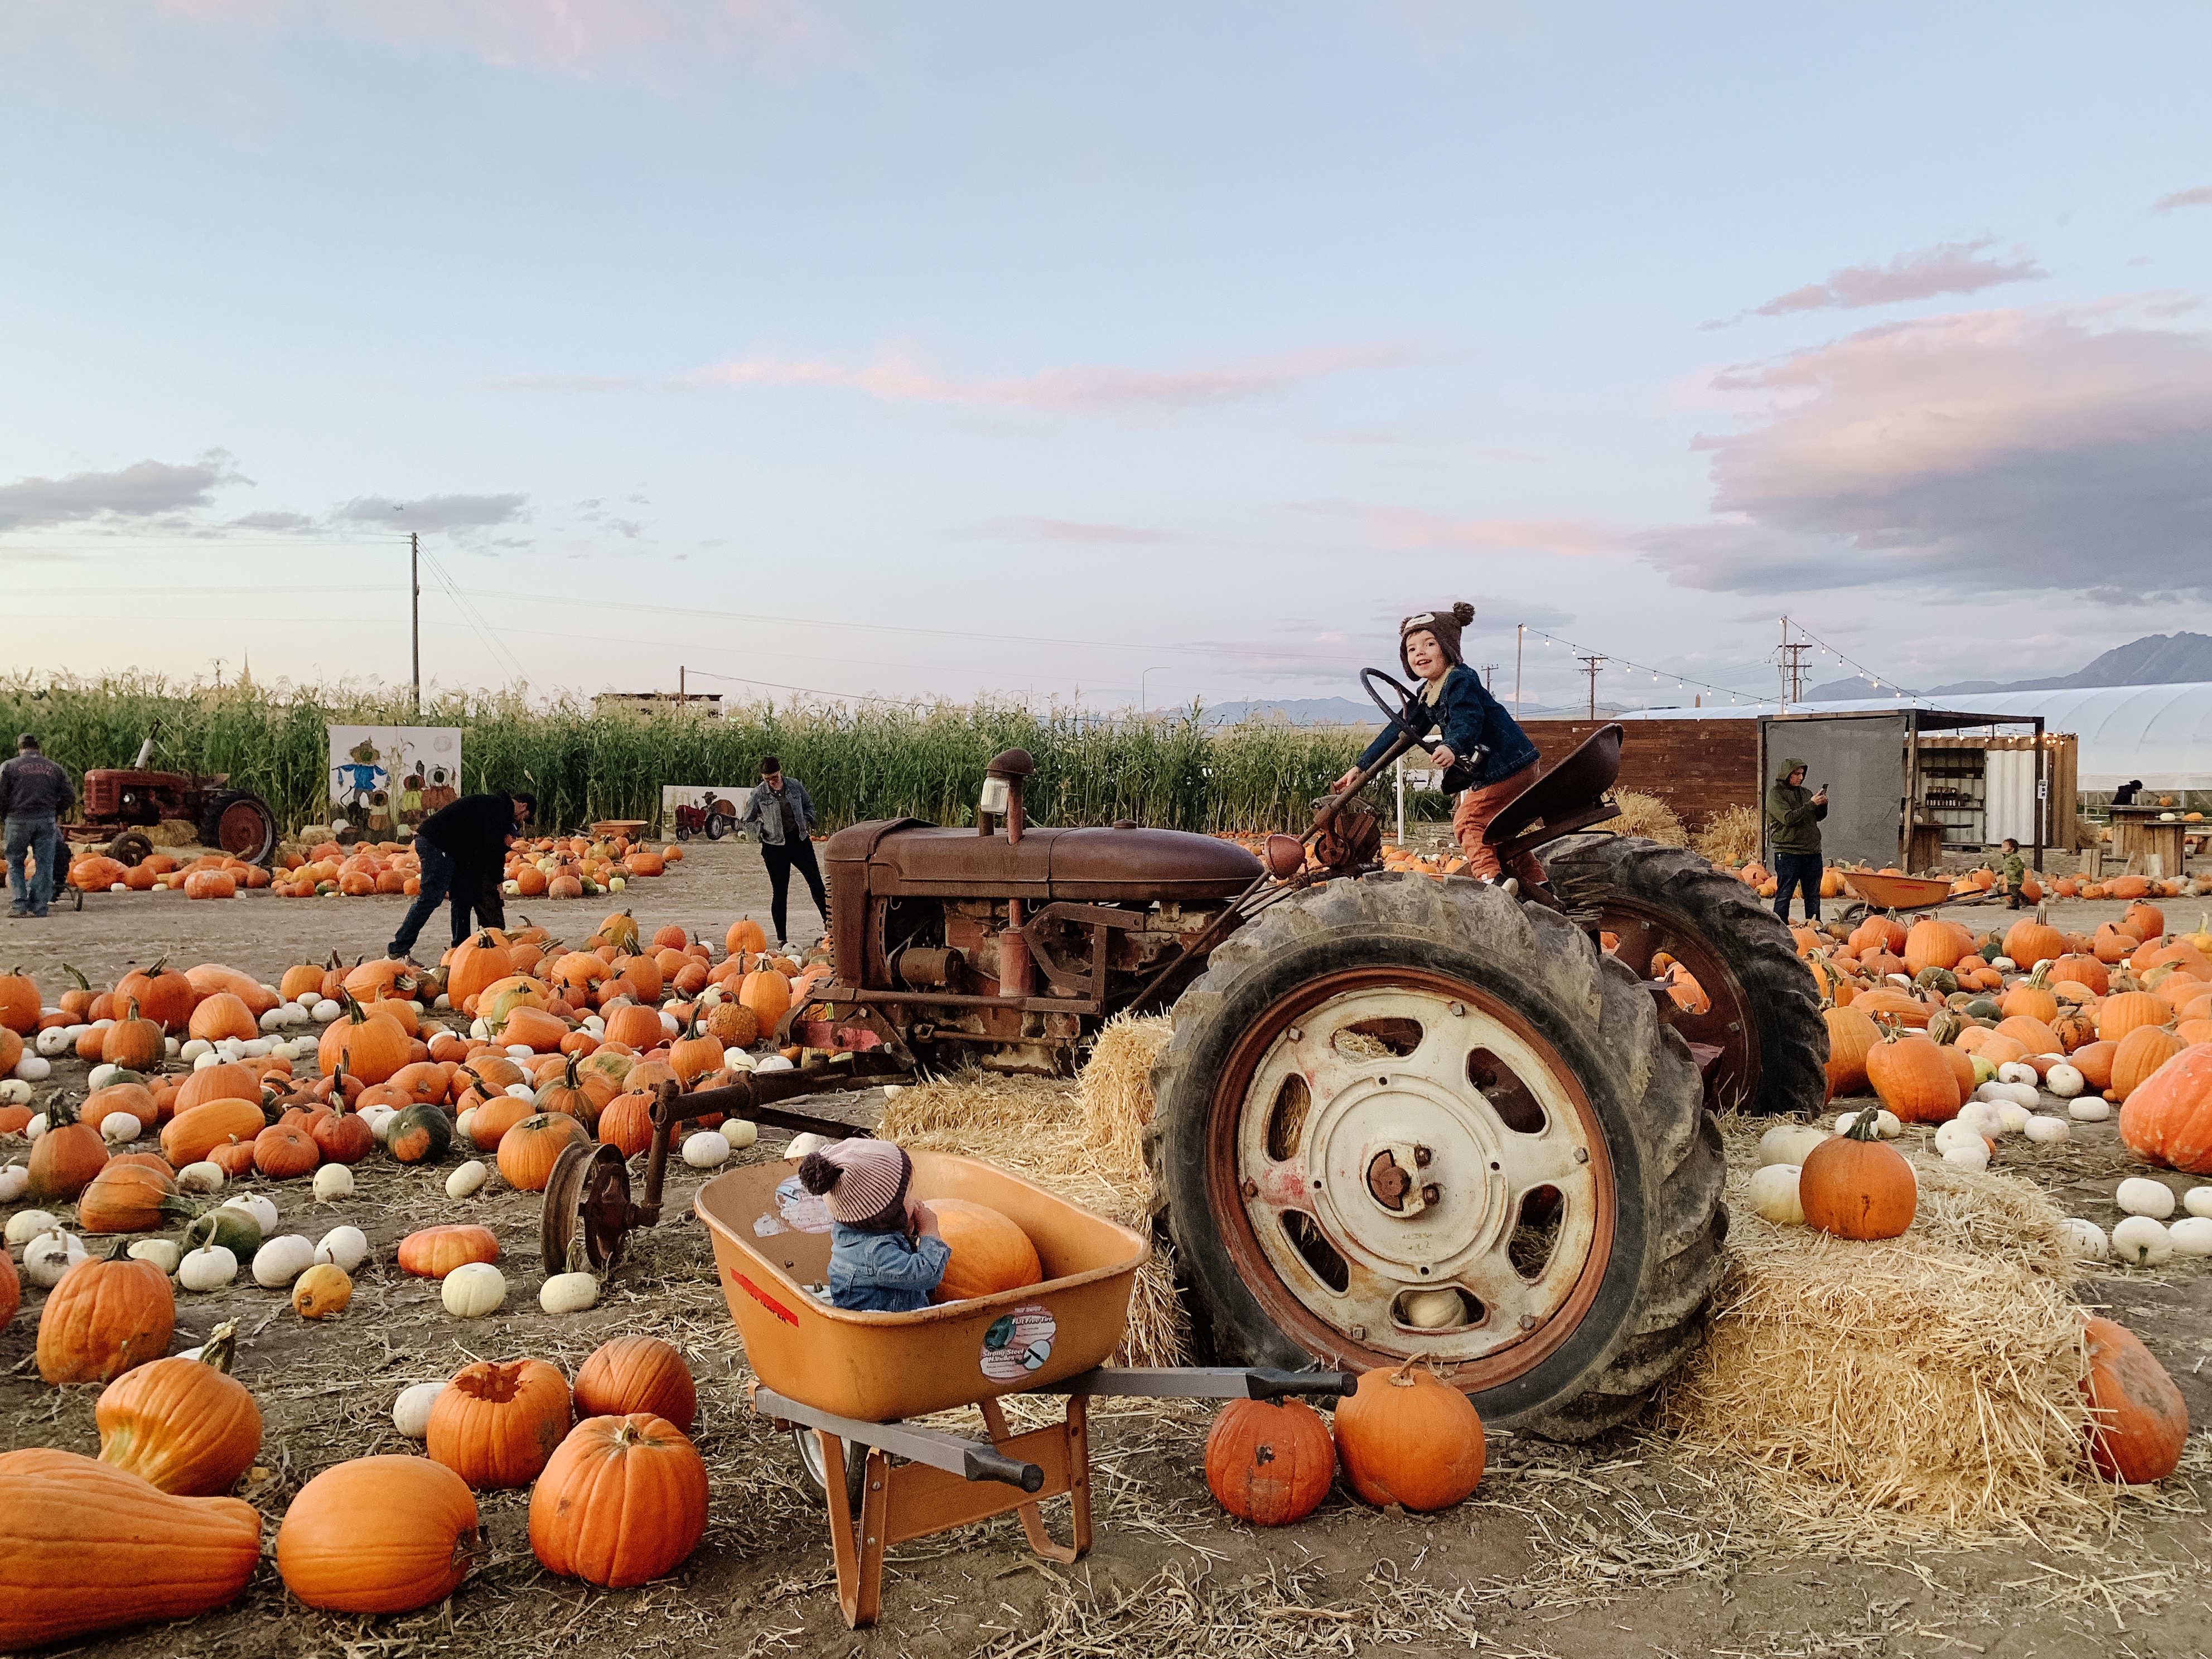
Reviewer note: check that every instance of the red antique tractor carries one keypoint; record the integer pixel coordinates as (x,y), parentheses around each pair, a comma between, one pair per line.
(123,803)
(1399,1115)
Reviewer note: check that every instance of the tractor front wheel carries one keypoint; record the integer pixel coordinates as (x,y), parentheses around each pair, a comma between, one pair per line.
(1408,1118)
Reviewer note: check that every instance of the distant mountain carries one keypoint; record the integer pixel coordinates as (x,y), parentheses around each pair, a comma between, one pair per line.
(2154,660)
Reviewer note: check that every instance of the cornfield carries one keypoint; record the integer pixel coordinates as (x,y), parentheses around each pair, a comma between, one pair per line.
(870,761)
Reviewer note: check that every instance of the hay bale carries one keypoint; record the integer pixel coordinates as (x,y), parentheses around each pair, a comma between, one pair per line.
(1730,839)
(1648,816)
(173,832)
(1082,1141)
(1925,1387)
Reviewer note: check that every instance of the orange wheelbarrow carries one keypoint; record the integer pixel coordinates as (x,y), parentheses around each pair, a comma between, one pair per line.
(840,1380)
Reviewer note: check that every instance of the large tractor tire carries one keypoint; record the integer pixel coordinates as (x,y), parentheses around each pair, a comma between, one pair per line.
(1392,1087)
(1761,1009)
(238,822)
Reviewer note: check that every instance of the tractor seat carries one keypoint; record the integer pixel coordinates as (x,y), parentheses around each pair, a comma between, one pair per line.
(1569,797)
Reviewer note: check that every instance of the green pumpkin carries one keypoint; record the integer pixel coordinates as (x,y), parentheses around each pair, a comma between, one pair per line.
(1942,980)
(234,1229)
(1983,1008)
(420,1134)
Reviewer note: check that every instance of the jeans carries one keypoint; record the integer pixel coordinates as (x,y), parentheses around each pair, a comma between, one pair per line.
(41,838)
(781,861)
(1793,870)
(471,888)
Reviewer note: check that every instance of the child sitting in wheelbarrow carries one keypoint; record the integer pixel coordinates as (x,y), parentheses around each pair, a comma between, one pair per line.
(886,1255)
(1484,753)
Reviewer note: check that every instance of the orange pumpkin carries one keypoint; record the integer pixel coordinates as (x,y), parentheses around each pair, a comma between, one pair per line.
(2140,1054)
(498,1423)
(1851,1038)
(126,1198)
(133,1042)
(229,1080)
(67,1157)
(195,1131)
(635,1374)
(2167,1116)
(223,1014)
(1855,1186)
(528,1151)
(433,1252)
(2094,1061)
(379,1535)
(1269,1462)
(186,1426)
(634,1025)
(94,1548)
(371,1041)
(622,1501)
(1407,1438)
(990,1252)
(2139,1422)
(1912,1077)
(163,995)
(104,1318)
(626,1123)
(2033,1036)
(744,937)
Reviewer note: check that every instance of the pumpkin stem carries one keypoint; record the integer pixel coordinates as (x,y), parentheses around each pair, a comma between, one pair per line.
(1403,1377)
(220,1349)
(1864,1125)
(61,1111)
(83,983)
(121,1249)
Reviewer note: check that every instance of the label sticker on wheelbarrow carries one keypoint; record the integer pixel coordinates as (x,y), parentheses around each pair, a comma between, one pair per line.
(1018,1343)
(800,1209)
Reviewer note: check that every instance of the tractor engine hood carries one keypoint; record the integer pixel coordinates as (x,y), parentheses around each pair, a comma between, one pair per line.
(904,857)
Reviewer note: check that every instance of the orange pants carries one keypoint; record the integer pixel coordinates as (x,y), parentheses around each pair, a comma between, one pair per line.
(1471,816)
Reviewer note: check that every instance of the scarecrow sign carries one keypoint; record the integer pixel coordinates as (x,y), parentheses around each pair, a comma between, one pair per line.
(385,780)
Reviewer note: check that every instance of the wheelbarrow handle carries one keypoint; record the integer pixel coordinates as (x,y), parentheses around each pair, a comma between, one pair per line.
(983,1463)
(1203,1383)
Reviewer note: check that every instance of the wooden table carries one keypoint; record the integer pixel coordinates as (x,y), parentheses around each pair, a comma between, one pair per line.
(2139,833)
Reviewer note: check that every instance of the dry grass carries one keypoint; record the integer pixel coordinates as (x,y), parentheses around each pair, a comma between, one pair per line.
(1730,839)
(1648,816)
(1083,1141)
(1919,1388)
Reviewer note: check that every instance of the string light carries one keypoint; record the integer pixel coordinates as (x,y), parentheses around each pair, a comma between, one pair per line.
(1682,682)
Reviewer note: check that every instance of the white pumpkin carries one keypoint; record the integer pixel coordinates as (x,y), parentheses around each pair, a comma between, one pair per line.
(33,1068)
(282,1259)
(195,1051)
(343,1248)
(2065,1081)
(2139,1195)
(2085,1239)
(14,1091)
(2088,1109)
(2198,1200)
(162,1252)
(2018,1071)
(738,1059)
(740,1132)
(521,1090)
(1789,1143)
(1887,1126)
(473,1289)
(705,1149)
(35,1128)
(669,1027)
(379,1119)
(25,1225)
(1772,1192)
(325,1009)
(1433,1310)
(209,1267)
(55,1040)
(774,1063)
(2142,1242)
(253,1204)
(211,1058)
(1975,1157)
(1984,1117)
(50,1256)
(461,1130)
(15,1181)
(2013,1119)
(566,1293)
(2005,965)
(519,1051)
(803,1144)
(274,1020)
(201,1177)
(101,1076)
(411,1412)
(1959,1132)
(2047,1131)
(465,1181)
(2020,1094)
(2192,1235)
(117,1129)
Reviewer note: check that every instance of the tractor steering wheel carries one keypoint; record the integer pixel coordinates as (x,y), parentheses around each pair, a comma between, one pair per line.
(1407,716)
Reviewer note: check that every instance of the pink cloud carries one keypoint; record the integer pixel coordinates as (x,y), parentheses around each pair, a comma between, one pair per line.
(1081,388)
(584,39)
(1408,528)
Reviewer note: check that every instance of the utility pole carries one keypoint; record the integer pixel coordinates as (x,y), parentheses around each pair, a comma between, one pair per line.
(682,695)
(415,608)
(1591,663)
(1489,678)
(1519,634)
(1791,661)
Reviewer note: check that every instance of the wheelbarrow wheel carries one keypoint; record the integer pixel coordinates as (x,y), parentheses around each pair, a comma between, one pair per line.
(1761,1008)
(1403,1118)
(810,1471)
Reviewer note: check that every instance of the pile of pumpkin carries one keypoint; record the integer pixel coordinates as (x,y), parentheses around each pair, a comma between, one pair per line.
(619,1492)
(212,875)
(577,866)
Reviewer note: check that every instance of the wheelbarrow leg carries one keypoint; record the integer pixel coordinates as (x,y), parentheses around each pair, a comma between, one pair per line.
(858,1551)
(1079,1475)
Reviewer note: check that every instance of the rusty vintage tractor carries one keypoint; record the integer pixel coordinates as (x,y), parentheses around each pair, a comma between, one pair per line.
(123,803)
(1398,1116)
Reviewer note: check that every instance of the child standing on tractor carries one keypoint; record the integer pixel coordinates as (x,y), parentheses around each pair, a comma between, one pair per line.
(1481,749)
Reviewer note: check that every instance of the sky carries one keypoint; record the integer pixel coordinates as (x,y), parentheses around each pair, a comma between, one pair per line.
(1110,354)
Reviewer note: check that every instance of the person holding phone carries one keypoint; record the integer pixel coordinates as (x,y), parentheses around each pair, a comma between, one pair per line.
(1793,835)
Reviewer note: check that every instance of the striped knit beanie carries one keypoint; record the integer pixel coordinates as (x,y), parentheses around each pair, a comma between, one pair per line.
(861,1182)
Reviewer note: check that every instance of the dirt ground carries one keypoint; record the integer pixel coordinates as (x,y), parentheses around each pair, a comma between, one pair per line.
(1615,1548)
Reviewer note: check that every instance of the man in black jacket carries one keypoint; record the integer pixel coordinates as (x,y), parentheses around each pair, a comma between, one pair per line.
(463,849)
(33,795)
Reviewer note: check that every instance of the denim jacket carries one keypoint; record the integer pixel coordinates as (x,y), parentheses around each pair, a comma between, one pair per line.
(884,1272)
(763,808)
(1471,718)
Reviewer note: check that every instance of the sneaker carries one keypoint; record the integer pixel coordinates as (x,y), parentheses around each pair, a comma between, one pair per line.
(15,910)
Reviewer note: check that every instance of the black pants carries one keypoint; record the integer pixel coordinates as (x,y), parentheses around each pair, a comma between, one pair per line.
(1797,870)
(781,861)
(472,887)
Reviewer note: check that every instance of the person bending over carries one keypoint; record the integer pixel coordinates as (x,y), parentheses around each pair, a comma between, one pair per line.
(1484,753)
(463,848)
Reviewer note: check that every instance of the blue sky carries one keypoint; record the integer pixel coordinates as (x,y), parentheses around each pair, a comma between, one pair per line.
(948,349)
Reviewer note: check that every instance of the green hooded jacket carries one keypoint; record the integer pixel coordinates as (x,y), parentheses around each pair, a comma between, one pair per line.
(1793,822)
